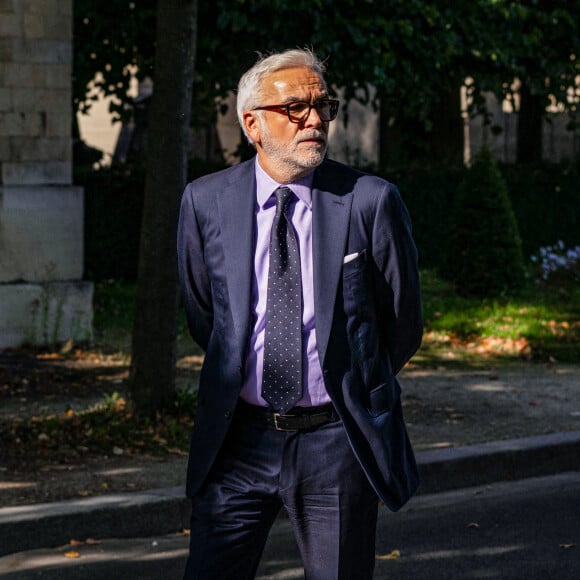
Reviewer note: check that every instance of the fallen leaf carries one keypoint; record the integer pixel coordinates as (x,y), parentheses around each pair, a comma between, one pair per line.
(176,451)
(567,546)
(72,554)
(473,525)
(392,556)
(74,542)
(92,542)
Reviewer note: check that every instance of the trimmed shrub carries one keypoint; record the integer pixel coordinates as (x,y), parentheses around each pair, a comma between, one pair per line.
(545,199)
(484,250)
(546,202)
(428,193)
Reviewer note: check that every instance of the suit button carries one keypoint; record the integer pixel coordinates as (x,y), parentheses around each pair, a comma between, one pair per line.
(228,414)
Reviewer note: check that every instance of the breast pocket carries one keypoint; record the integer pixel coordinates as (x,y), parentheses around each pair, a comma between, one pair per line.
(359,309)
(363,334)
(355,278)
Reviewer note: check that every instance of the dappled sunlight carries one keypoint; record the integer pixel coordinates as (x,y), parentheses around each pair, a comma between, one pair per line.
(94,553)
(5,485)
(192,362)
(179,553)
(282,572)
(466,552)
(436,445)
(120,472)
(488,388)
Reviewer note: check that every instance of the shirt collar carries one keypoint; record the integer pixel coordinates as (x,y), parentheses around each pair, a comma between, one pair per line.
(266,186)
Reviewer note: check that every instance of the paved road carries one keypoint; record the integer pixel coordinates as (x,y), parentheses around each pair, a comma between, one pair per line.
(528,529)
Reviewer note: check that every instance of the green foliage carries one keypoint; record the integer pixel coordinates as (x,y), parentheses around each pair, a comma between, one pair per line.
(546,201)
(395,46)
(114,309)
(484,255)
(536,324)
(429,194)
(112,42)
(113,208)
(114,197)
(539,46)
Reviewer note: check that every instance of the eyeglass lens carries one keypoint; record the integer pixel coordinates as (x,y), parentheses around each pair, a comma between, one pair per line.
(327,110)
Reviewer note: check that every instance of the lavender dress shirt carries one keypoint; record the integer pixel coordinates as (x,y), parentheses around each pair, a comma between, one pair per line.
(300,212)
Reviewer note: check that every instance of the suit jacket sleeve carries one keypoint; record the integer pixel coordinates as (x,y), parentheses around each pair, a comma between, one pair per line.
(193,278)
(397,282)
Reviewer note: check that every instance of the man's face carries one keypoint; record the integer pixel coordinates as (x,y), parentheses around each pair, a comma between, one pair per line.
(288,151)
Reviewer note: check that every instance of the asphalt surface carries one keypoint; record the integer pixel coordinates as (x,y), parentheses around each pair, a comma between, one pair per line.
(529,529)
(33,539)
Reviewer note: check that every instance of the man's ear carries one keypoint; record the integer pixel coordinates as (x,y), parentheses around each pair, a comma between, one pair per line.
(252,126)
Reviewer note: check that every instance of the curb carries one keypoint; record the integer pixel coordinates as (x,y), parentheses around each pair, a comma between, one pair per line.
(458,467)
(164,511)
(124,515)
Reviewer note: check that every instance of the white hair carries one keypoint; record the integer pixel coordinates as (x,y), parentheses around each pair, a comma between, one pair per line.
(249,87)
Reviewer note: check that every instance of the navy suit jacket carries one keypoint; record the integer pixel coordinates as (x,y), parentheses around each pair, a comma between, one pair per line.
(368,310)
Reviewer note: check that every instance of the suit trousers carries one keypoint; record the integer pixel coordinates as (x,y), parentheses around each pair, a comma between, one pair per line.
(314,475)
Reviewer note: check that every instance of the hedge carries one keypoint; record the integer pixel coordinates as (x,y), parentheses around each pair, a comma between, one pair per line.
(545,199)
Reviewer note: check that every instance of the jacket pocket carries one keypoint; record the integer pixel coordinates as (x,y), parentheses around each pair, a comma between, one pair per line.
(383,397)
(355,279)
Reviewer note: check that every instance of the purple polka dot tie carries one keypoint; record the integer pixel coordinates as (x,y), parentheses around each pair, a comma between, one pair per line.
(282,376)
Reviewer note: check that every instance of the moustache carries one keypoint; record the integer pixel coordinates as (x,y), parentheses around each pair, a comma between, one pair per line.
(317,135)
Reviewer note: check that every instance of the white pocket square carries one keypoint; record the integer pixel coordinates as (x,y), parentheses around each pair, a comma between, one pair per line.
(350,257)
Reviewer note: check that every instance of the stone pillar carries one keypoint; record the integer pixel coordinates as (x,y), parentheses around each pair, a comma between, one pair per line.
(43,299)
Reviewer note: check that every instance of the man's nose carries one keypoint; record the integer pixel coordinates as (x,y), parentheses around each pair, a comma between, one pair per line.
(313,119)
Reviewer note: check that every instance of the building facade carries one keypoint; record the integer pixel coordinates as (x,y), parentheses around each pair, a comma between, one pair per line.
(43,299)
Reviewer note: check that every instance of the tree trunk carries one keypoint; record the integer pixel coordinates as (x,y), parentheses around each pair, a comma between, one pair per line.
(530,127)
(447,133)
(152,374)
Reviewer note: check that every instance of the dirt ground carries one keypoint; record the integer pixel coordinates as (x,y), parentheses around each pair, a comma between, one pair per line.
(443,407)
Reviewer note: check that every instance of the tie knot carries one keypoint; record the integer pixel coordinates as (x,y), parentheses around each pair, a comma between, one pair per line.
(283,195)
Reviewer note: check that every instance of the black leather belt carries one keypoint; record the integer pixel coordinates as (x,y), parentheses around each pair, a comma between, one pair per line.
(298,419)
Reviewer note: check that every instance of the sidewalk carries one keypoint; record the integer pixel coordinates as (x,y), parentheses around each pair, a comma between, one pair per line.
(469,427)
(165,511)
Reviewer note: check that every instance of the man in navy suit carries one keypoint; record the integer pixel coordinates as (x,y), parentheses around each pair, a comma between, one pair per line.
(333,441)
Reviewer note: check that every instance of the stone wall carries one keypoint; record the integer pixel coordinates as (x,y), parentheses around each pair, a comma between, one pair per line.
(42,297)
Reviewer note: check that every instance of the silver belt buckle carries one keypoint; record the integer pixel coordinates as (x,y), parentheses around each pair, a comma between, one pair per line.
(277,426)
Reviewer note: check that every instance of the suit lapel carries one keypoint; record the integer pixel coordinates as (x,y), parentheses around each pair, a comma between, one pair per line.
(236,216)
(330,224)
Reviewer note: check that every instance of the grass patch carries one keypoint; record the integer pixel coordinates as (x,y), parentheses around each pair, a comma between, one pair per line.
(537,324)
(114,310)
